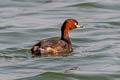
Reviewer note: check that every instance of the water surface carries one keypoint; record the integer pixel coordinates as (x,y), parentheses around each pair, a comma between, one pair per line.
(96,47)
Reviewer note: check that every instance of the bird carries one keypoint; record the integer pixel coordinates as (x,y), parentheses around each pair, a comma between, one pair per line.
(50,47)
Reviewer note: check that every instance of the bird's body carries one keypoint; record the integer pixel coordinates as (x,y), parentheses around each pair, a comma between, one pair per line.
(49,47)
(52,47)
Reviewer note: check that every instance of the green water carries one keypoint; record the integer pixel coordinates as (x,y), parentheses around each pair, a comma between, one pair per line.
(96,47)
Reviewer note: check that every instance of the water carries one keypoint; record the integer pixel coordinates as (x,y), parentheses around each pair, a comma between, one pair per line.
(96,47)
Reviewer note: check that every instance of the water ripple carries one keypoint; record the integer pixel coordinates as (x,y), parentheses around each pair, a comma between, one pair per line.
(96,47)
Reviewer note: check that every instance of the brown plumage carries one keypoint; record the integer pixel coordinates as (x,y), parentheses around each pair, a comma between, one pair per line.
(48,47)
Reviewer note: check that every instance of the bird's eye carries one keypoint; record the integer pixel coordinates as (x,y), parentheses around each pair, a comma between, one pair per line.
(75,24)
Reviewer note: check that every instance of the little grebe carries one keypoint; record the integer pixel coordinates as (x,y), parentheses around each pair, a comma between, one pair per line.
(50,47)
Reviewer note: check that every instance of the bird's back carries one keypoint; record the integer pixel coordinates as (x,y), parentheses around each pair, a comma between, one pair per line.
(51,47)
